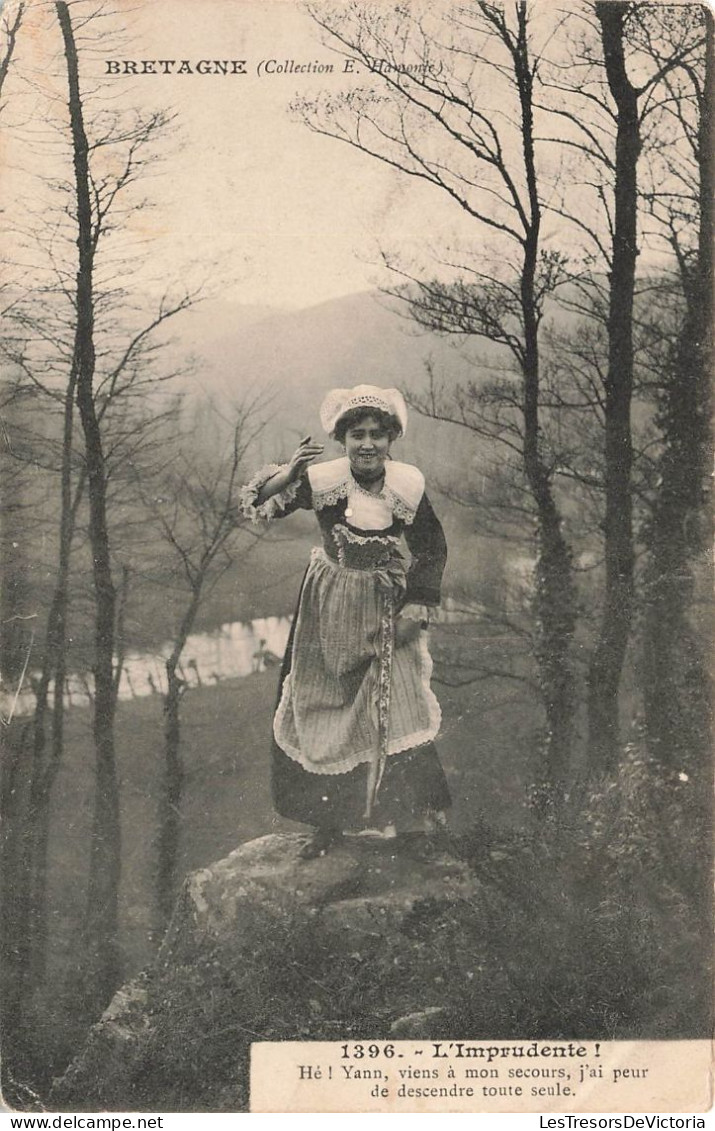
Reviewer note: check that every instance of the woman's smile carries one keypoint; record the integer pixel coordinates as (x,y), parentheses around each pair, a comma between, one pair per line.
(367,445)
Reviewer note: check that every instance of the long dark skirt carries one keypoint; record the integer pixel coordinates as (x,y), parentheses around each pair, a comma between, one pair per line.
(413,783)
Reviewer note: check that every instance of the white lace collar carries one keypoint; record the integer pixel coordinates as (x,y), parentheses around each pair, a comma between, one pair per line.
(402,491)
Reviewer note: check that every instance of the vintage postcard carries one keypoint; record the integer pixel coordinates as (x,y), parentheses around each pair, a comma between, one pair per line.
(355,548)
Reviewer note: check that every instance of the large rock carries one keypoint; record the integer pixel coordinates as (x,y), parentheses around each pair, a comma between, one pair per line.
(263,946)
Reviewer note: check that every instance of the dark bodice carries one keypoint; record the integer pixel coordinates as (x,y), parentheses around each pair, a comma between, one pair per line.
(375,549)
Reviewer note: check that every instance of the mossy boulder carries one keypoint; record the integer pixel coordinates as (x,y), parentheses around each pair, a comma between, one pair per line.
(264,945)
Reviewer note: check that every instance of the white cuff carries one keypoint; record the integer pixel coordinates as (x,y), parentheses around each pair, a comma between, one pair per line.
(276,504)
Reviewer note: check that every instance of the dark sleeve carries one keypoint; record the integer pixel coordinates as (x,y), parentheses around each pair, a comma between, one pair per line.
(303,498)
(428,547)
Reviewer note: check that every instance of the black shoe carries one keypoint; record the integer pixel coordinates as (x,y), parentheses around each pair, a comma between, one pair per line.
(322,840)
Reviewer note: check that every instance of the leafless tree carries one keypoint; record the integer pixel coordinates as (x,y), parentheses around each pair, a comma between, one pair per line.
(425,116)
(10,27)
(126,378)
(194,507)
(81,343)
(608,96)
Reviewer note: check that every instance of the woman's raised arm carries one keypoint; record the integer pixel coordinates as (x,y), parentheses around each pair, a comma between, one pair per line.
(291,472)
(277,490)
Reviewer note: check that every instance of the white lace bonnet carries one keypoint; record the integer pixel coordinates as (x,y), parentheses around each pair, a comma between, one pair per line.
(339,401)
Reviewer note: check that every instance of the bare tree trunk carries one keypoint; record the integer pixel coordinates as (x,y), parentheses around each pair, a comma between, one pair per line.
(169,816)
(609,653)
(119,635)
(170,802)
(101,943)
(16,607)
(54,669)
(31,862)
(13,801)
(555,606)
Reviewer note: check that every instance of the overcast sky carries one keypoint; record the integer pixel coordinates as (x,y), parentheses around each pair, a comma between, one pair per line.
(248,197)
(280,216)
(275,214)
(299,213)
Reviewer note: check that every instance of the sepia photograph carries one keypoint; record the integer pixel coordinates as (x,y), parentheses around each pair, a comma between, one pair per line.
(355,555)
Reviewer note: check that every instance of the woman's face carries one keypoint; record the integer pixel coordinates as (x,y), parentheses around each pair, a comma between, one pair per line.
(367,443)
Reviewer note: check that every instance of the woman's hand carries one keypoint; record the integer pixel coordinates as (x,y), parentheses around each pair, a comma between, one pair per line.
(304,454)
(290,472)
(405,631)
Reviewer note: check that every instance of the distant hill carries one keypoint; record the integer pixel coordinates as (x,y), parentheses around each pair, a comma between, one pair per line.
(295,356)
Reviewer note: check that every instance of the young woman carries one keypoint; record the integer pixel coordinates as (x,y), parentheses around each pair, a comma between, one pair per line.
(356,716)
